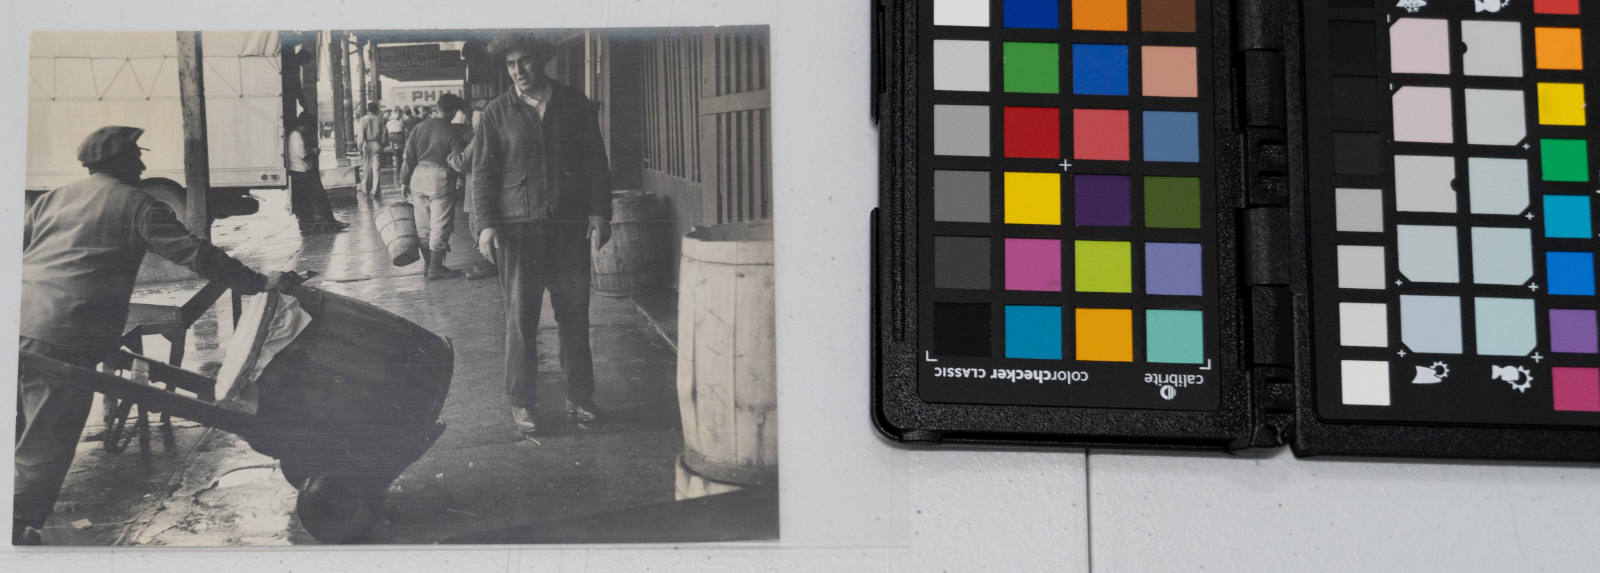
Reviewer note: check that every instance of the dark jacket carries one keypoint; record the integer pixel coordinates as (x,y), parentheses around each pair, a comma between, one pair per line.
(81,249)
(527,169)
(434,140)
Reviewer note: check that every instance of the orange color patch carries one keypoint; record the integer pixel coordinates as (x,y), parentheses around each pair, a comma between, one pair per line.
(1102,15)
(1558,48)
(1105,334)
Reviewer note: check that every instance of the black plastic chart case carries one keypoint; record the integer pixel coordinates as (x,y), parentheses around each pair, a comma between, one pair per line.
(1355,227)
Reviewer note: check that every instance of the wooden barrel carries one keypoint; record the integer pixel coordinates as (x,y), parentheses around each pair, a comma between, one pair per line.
(397,226)
(636,259)
(689,485)
(727,374)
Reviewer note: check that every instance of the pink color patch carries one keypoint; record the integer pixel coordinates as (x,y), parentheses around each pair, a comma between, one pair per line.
(1576,389)
(1033,264)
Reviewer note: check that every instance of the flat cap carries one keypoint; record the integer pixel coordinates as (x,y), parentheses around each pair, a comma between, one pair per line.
(109,145)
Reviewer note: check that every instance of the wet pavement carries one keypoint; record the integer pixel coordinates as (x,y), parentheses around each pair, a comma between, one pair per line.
(193,485)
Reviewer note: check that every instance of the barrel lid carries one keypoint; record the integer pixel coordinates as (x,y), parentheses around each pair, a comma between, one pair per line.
(747,243)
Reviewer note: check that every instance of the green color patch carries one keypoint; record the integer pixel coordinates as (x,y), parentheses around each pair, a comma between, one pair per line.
(1174,336)
(1102,266)
(1172,202)
(1032,67)
(1564,159)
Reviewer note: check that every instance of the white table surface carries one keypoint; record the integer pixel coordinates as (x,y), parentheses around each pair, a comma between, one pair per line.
(850,501)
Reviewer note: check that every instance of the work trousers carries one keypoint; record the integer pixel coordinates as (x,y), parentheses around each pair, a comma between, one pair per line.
(308,200)
(50,419)
(371,167)
(535,257)
(434,200)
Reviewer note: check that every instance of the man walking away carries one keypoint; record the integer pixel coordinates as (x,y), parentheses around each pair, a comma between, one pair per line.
(427,171)
(369,138)
(81,249)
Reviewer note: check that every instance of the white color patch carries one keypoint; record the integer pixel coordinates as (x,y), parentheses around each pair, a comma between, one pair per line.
(1364,382)
(1364,324)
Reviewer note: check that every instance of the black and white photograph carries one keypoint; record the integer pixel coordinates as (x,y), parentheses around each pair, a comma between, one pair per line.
(397,286)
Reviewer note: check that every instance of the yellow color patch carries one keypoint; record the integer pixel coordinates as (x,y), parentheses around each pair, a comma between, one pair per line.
(1033,198)
(1103,15)
(1558,48)
(1561,104)
(1105,334)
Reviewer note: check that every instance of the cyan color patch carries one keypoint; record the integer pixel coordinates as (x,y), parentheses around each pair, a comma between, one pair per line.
(1567,217)
(1033,332)
(1172,136)
(1032,14)
(1174,336)
(1100,69)
(1570,273)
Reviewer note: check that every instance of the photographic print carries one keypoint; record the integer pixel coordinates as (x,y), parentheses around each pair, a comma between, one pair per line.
(397,287)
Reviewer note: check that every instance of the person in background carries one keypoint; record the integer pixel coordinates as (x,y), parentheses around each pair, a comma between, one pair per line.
(308,200)
(462,163)
(427,171)
(394,128)
(541,187)
(369,138)
(82,245)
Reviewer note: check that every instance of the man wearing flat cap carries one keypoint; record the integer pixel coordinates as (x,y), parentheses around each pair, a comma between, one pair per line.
(541,195)
(81,249)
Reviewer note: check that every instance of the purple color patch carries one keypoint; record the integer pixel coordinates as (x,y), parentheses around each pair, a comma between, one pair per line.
(1100,200)
(1172,268)
(1033,264)
(1573,331)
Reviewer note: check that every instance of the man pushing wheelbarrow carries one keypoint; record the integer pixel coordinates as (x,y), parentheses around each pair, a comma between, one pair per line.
(346,398)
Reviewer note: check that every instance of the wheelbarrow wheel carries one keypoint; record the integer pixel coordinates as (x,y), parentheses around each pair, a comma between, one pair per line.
(339,508)
(293,473)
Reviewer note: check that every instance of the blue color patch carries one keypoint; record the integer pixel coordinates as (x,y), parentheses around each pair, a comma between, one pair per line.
(1033,332)
(1172,136)
(1099,69)
(1032,14)
(1567,217)
(1570,273)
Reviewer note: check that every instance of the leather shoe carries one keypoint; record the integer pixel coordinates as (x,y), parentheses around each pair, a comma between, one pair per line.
(527,421)
(584,412)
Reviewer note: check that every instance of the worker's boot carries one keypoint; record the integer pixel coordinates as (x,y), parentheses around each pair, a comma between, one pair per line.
(436,268)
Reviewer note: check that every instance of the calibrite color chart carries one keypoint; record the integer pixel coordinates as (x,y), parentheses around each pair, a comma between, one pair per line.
(1066,204)
(1455,278)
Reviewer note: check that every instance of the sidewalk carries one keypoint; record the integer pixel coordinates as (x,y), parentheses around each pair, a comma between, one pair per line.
(206,487)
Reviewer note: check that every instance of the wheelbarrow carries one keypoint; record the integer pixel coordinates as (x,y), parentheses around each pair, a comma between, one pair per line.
(345,407)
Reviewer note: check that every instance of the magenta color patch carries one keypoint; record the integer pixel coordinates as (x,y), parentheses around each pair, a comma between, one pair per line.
(1033,264)
(1576,389)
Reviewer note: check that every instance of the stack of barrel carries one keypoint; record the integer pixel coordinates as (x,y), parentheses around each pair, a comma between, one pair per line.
(727,374)
(636,259)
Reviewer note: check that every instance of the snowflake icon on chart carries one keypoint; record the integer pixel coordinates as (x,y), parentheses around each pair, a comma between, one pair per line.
(1412,6)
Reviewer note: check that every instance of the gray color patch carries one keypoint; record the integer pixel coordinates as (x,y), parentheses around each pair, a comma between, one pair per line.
(961,130)
(1493,48)
(1505,326)
(1498,186)
(1495,117)
(961,196)
(1501,255)
(1431,323)
(961,65)
(961,262)
(1422,183)
(1428,254)
(1359,210)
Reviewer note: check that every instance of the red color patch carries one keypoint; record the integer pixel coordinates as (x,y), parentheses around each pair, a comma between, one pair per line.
(1555,7)
(1033,132)
(1100,134)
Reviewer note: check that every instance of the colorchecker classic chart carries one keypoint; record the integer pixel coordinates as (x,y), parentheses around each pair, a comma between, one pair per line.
(1230,224)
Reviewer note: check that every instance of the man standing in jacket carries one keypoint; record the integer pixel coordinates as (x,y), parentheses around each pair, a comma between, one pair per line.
(81,249)
(541,188)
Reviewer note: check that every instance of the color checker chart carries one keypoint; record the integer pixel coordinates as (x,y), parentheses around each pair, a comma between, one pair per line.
(1066,204)
(1454,231)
